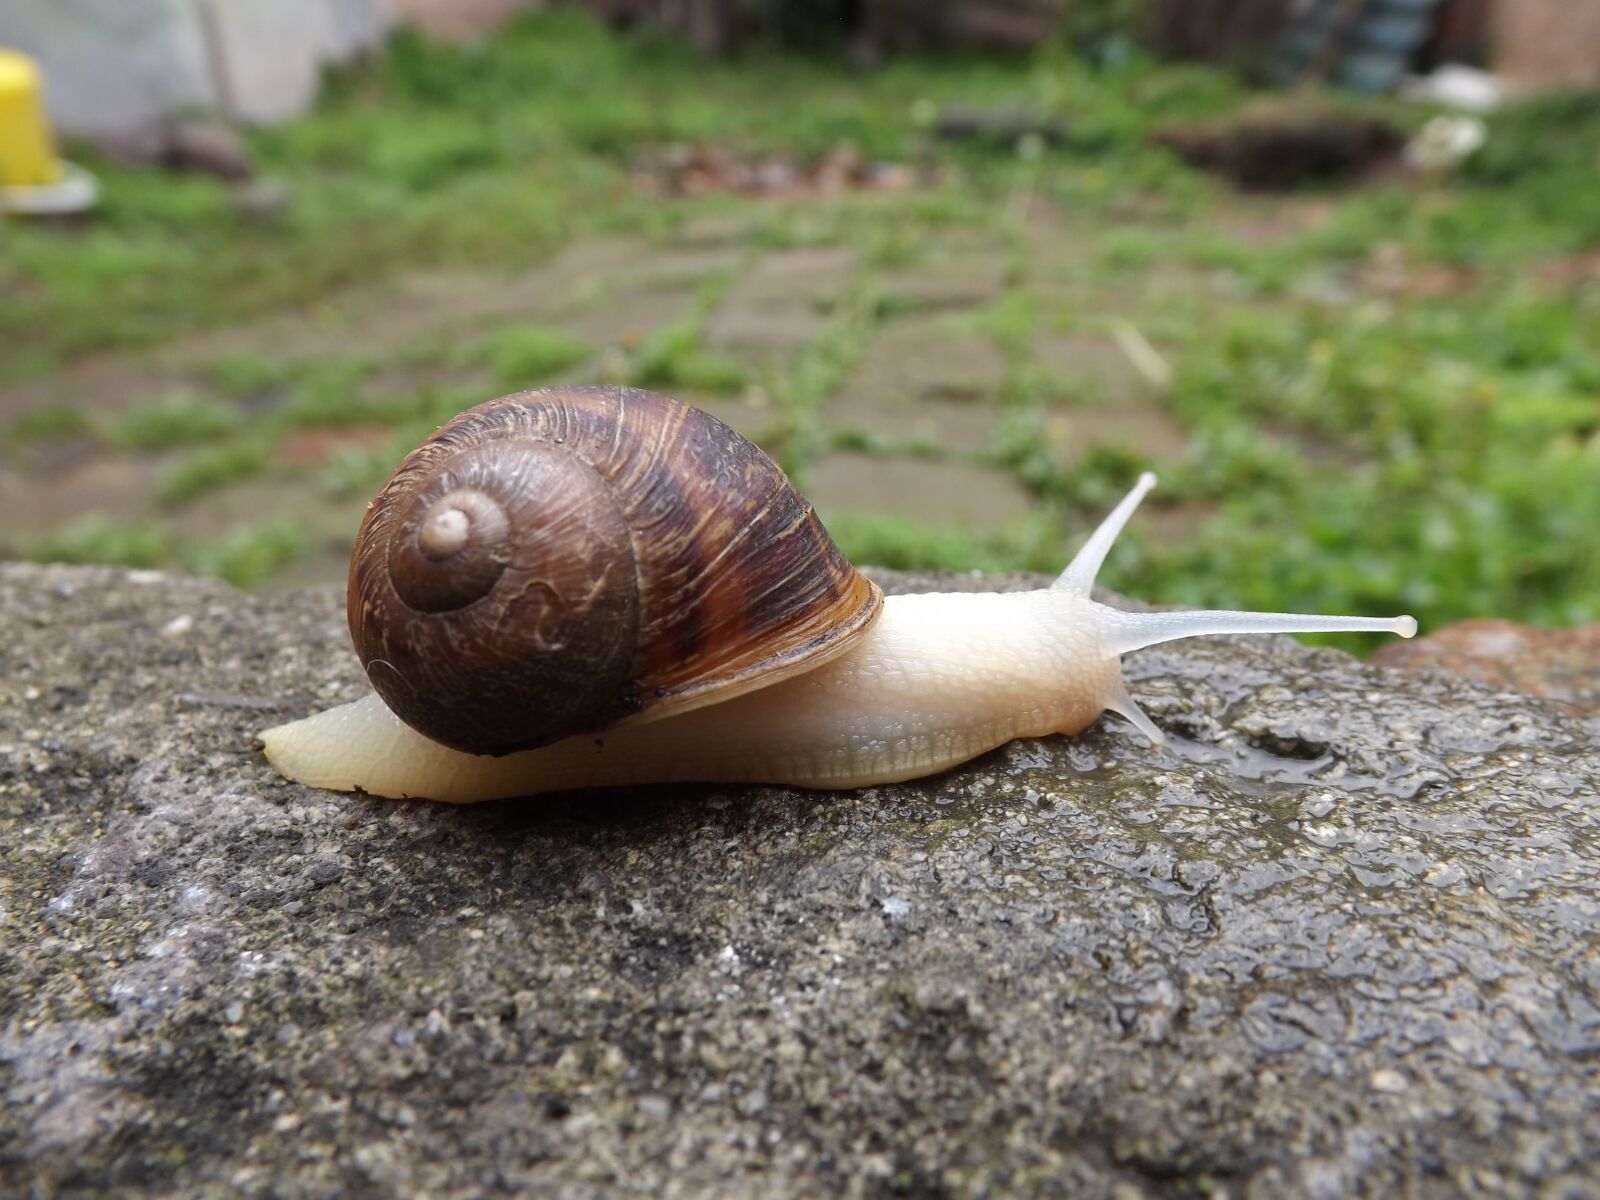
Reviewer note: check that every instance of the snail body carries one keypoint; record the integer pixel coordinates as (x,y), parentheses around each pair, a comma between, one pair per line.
(892,689)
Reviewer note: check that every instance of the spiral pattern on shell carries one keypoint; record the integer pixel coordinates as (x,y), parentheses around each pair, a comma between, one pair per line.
(556,561)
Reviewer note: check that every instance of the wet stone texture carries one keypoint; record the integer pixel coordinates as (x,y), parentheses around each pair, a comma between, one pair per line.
(1337,938)
(1562,665)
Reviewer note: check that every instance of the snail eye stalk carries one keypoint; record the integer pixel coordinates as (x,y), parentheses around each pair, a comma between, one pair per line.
(1124,632)
(1080,574)
(1127,631)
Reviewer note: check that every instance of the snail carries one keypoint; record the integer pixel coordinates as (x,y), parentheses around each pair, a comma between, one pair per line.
(579,587)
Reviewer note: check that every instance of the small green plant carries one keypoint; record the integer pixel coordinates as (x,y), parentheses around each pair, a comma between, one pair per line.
(524,355)
(887,540)
(354,471)
(860,441)
(209,469)
(98,539)
(178,419)
(50,422)
(673,357)
(1010,322)
(1097,479)
(248,555)
(330,393)
(250,376)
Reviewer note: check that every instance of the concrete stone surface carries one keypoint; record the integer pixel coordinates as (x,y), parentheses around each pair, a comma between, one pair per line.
(1336,938)
(1562,665)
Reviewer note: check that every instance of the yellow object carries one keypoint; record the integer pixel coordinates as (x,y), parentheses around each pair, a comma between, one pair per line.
(27,153)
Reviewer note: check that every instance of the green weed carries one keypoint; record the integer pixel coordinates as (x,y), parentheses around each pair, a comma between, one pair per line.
(98,539)
(329,394)
(887,540)
(250,377)
(207,470)
(178,419)
(524,355)
(247,555)
(51,422)
(673,357)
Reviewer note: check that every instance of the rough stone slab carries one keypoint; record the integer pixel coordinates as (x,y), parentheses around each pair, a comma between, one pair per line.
(1337,938)
(1558,664)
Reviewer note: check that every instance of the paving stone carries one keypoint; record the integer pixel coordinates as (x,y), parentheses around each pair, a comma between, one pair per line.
(672,267)
(1115,405)
(118,487)
(315,446)
(931,492)
(947,285)
(781,302)
(106,382)
(622,320)
(611,274)
(1091,362)
(1138,426)
(716,229)
(954,425)
(1057,246)
(1090,294)
(921,359)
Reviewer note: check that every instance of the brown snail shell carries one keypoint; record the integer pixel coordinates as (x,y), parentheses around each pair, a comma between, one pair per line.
(557,561)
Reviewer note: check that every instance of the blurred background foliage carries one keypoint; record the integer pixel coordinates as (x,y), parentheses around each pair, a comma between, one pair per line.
(1390,402)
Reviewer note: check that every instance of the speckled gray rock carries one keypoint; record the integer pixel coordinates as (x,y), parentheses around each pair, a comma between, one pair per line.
(1337,938)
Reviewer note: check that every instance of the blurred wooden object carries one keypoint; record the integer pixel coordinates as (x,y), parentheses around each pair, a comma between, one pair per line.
(1334,39)
(1007,24)
(1218,29)
(1279,145)
(1541,45)
(871,27)
(712,25)
(456,20)
(1460,34)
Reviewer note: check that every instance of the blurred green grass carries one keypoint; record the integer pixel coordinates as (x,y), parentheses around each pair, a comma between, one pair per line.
(1430,445)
